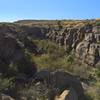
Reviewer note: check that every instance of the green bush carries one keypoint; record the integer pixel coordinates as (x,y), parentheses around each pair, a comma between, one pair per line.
(70,59)
(5,84)
(93,92)
(97,72)
(88,97)
(26,67)
(97,23)
(49,47)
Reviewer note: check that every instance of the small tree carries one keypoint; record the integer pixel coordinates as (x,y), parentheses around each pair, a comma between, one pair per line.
(59,23)
(70,59)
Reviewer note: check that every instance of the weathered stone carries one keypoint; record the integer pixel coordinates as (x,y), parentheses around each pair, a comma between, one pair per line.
(6,97)
(60,81)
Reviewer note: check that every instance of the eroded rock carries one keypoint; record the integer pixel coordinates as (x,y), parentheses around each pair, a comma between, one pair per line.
(85,40)
(60,82)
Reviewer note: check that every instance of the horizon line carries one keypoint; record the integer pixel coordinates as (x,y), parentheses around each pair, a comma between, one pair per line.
(45,19)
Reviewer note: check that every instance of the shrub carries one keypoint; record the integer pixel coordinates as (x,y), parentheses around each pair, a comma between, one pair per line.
(97,72)
(97,23)
(27,67)
(33,92)
(70,59)
(93,92)
(5,84)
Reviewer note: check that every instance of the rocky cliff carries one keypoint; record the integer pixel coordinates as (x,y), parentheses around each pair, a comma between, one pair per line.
(83,40)
(80,37)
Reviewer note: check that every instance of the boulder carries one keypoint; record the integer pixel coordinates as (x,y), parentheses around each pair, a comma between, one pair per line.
(59,82)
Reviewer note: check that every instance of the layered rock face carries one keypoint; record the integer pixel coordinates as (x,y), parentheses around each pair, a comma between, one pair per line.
(84,41)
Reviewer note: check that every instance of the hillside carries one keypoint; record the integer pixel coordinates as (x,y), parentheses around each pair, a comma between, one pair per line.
(49,56)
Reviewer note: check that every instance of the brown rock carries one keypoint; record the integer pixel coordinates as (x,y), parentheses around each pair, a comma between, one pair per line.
(5,97)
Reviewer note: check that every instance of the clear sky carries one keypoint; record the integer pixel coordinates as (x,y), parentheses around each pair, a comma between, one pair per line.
(11,10)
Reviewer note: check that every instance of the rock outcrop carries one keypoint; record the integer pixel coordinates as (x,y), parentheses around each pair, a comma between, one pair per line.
(11,52)
(83,40)
(59,82)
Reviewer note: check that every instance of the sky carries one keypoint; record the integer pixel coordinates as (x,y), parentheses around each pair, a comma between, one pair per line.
(12,10)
